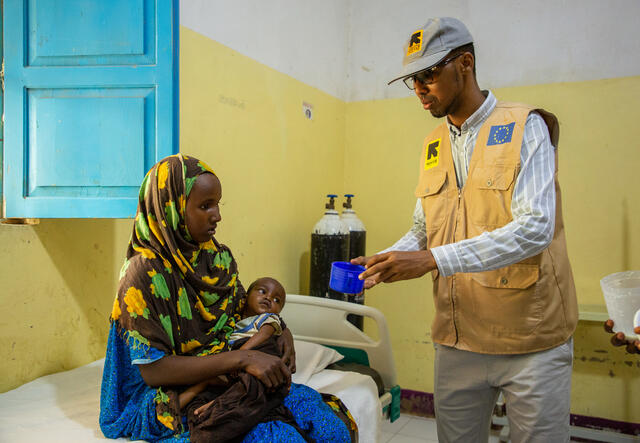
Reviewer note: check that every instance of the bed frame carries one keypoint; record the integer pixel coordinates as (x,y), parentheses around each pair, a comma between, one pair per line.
(329,326)
(65,406)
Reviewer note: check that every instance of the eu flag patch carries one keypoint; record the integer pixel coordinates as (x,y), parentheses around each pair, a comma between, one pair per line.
(500,134)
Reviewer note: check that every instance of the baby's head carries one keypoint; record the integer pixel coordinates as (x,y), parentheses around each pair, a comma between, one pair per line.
(264,295)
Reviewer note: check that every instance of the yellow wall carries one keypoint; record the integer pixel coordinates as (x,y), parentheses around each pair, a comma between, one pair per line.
(58,282)
(246,120)
(599,160)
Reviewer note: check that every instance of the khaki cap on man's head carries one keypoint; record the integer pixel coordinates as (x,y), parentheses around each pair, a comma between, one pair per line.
(430,44)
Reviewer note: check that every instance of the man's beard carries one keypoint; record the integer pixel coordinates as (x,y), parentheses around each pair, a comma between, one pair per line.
(453,105)
(438,114)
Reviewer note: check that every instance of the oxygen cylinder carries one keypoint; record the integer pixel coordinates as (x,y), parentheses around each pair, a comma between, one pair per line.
(357,231)
(329,243)
(357,247)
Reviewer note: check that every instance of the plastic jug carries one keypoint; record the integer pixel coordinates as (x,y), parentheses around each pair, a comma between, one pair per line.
(622,296)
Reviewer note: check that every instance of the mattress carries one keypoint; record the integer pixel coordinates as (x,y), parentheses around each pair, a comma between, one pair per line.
(64,407)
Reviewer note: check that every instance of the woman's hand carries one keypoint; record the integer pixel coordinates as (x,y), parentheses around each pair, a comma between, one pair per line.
(183,370)
(287,348)
(619,339)
(270,370)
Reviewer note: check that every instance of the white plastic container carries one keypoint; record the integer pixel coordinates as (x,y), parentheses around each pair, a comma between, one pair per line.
(622,296)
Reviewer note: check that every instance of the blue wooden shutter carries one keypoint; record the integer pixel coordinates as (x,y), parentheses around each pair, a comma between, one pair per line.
(91,103)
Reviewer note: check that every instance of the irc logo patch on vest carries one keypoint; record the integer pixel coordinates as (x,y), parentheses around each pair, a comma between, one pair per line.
(500,134)
(415,42)
(432,154)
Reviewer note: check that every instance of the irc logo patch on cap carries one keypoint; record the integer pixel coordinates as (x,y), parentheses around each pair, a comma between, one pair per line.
(415,42)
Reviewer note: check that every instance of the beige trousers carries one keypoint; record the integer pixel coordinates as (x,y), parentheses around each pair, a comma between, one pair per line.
(536,388)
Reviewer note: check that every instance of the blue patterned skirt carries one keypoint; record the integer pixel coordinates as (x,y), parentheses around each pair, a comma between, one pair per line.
(128,407)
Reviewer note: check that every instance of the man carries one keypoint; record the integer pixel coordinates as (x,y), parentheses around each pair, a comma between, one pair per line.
(488,226)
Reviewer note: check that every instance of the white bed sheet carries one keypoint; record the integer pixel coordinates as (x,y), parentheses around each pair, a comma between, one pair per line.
(64,407)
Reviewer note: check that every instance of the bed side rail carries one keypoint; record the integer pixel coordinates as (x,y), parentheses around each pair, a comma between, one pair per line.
(324,321)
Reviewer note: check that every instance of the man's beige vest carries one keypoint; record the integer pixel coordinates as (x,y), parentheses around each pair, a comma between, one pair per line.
(528,306)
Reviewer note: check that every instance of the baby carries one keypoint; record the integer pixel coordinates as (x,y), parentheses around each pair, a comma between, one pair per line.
(221,412)
(265,300)
(260,321)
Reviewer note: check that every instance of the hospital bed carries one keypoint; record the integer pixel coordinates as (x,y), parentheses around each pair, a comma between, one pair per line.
(324,321)
(64,407)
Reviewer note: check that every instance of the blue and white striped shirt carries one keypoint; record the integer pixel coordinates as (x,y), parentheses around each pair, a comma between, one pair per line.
(532,205)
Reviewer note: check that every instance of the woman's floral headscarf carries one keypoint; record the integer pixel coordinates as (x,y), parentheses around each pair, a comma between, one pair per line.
(175,297)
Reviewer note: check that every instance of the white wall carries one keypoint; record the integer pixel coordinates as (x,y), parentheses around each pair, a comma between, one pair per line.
(306,39)
(517,42)
(351,48)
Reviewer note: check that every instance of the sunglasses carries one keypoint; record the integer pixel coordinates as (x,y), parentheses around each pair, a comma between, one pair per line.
(428,76)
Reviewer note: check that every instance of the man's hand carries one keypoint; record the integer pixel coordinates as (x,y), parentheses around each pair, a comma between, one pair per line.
(619,339)
(368,282)
(395,266)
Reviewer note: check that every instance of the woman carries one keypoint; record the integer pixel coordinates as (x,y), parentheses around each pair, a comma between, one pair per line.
(178,300)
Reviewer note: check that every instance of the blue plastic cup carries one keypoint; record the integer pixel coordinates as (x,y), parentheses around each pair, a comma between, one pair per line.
(344,277)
